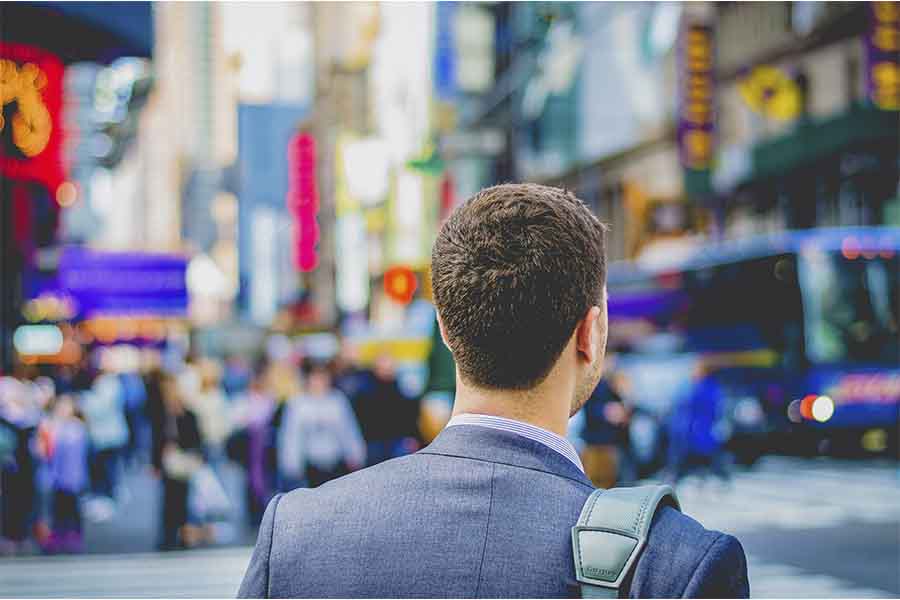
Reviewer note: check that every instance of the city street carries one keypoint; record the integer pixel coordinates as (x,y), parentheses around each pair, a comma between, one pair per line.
(811,529)
(133,527)
(818,528)
(246,246)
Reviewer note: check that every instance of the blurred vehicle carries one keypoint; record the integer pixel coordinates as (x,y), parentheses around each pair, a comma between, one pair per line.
(800,329)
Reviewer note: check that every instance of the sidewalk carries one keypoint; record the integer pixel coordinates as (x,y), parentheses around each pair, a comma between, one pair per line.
(133,525)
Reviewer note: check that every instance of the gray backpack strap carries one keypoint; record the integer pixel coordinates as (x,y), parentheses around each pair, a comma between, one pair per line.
(610,534)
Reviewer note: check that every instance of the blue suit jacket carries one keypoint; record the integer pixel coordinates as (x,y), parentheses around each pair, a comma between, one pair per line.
(478,513)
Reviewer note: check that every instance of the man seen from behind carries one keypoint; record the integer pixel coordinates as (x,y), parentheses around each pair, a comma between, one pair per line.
(486,510)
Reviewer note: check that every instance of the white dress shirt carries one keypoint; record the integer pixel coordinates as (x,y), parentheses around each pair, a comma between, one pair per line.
(537,434)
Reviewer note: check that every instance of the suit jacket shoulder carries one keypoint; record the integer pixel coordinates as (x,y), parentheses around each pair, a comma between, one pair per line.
(682,559)
(256,579)
(479,513)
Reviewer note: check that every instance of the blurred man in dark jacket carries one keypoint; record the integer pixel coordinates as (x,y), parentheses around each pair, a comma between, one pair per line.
(389,419)
(605,433)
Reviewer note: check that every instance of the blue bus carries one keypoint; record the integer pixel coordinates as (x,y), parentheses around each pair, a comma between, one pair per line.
(801,330)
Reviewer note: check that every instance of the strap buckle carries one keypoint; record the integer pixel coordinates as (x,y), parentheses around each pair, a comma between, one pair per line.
(615,542)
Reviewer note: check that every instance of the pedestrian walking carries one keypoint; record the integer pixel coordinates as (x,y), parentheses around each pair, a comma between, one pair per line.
(208,403)
(389,420)
(180,456)
(19,419)
(66,455)
(134,400)
(319,438)
(697,433)
(350,377)
(236,376)
(605,433)
(255,428)
(103,406)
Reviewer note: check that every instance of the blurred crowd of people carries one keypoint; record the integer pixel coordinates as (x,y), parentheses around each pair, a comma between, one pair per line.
(69,434)
(621,442)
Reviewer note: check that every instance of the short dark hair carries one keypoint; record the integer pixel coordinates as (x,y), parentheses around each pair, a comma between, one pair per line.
(513,271)
(310,365)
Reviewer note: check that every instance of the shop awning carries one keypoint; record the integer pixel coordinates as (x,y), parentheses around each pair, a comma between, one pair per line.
(81,31)
(816,140)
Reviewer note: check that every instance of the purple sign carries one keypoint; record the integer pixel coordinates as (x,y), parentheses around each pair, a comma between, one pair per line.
(123,283)
(657,304)
(696,97)
(883,55)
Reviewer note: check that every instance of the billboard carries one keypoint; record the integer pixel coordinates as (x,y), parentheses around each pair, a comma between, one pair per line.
(97,283)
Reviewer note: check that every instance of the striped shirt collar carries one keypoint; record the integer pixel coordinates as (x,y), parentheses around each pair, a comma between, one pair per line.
(532,432)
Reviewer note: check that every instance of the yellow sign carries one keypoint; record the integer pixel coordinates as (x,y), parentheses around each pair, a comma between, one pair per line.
(769,91)
(696,127)
(883,62)
(401,349)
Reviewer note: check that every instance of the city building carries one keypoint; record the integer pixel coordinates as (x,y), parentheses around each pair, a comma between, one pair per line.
(674,135)
(48,123)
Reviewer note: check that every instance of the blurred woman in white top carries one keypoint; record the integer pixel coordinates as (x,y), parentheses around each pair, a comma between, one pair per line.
(207,401)
(319,438)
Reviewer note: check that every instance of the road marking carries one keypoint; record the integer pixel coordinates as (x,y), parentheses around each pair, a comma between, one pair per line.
(769,580)
(790,494)
(213,573)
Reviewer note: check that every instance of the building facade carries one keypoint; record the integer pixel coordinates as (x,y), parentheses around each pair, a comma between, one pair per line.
(617,101)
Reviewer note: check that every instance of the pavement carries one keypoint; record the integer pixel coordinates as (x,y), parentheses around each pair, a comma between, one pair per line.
(133,526)
(811,528)
(818,528)
(210,573)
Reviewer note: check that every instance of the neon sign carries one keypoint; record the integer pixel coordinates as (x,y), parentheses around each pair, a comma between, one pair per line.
(400,284)
(30,123)
(883,55)
(303,200)
(696,106)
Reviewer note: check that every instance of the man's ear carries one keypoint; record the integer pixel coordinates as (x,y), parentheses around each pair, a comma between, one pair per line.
(590,335)
(443,331)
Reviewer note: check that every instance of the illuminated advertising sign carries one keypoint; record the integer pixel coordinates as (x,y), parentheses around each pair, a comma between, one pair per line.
(352,266)
(400,284)
(90,283)
(871,388)
(696,109)
(30,121)
(303,200)
(361,176)
(771,92)
(407,220)
(883,55)
(849,399)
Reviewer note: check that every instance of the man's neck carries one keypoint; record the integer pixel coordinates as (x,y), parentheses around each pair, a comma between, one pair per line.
(542,407)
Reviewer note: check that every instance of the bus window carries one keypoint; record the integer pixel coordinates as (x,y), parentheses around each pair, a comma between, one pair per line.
(747,305)
(852,307)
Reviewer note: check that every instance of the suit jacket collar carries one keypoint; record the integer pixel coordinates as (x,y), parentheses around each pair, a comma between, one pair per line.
(503,447)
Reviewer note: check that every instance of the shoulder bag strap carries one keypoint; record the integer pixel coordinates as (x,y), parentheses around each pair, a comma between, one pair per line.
(610,534)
